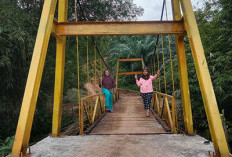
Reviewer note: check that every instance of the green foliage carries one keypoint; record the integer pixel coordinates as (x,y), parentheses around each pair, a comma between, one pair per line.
(72,95)
(215,25)
(110,10)
(6,145)
(141,46)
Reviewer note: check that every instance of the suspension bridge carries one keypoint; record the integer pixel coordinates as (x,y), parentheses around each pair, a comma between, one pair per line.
(125,132)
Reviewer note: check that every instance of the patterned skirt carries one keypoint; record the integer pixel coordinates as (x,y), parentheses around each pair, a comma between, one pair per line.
(147,97)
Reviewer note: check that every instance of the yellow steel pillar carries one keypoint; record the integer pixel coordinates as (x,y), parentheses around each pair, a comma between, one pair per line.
(210,103)
(23,131)
(183,74)
(59,75)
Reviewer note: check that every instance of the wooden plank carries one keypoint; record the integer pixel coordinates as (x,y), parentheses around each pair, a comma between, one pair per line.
(118,28)
(161,121)
(128,117)
(91,127)
(130,73)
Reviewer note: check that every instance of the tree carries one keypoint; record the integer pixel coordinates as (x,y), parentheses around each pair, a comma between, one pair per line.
(18,31)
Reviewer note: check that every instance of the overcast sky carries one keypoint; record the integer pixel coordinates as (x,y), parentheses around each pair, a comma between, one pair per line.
(152,9)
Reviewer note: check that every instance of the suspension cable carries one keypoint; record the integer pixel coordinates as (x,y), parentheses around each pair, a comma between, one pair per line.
(87,66)
(170,52)
(92,38)
(95,68)
(157,39)
(174,109)
(101,72)
(157,53)
(154,71)
(171,62)
(78,67)
(165,84)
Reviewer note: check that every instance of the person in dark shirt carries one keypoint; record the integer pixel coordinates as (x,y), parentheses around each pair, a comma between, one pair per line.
(108,84)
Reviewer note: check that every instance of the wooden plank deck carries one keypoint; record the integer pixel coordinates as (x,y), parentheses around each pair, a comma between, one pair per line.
(128,117)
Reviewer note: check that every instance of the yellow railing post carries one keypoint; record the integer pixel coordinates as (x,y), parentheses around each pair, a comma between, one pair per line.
(152,101)
(160,107)
(86,112)
(91,109)
(59,76)
(183,74)
(103,102)
(117,76)
(98,107)
(114,96)
(168,111)
(23,131)
(157,103)
(95,109)
(210,103)
(81,117)
(95,67)
(174,114)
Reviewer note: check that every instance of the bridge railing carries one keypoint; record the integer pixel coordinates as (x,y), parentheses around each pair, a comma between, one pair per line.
(91,108)
(165,106)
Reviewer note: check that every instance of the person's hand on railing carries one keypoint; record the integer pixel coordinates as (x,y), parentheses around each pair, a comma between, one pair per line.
(136,77)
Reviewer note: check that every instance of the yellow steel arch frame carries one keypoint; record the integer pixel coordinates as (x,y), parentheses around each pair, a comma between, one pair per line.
(61,29)
(208,95)
(183,74)
(34,78)
(59,74)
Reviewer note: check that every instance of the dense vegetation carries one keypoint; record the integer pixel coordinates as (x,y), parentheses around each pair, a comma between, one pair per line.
(215,25)
(18,30)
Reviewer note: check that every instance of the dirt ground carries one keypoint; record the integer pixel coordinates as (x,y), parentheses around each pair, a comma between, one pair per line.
(168,145)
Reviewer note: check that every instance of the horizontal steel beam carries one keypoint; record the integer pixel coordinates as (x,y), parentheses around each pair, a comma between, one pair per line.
(54,32)
(129,59)
(117,28)
(130,73)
